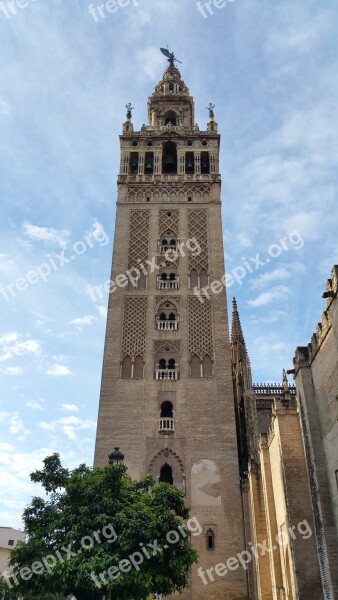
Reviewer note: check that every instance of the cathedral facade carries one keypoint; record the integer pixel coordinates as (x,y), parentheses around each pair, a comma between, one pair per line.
(176,394)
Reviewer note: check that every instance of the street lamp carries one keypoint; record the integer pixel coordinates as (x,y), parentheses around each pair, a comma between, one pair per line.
(116,457)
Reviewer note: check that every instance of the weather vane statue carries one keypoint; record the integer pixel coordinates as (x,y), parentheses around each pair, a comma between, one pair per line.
(210,108)
(129,108)
(170,56)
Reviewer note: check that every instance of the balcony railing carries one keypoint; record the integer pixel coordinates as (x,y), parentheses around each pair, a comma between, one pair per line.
(168,248)
(167,325)
(168,284)
(166,425)
(166,374)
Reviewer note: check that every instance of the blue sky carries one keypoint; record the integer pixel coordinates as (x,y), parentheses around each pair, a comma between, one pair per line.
(271,70)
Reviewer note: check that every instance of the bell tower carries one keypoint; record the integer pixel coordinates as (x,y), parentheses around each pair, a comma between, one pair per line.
(166,394)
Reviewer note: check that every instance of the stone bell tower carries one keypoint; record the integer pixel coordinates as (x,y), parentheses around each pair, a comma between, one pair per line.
(166,395)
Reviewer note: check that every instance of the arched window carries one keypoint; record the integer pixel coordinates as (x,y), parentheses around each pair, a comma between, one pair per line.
(164,276)
(193,278)
(207,366)
(205,163)
(163,316)
(126,368)
(138,368)
(133,163)
(166,410)
(195,366)
(203,278)
(210,538)
(170,117)
(162,363)
(171,363)
(189,162)
(149,163)
(166,474)
(172,316)
(169,162)
(172,276)
(142,282)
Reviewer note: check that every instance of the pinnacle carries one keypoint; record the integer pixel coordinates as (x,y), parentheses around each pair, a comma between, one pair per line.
(236,327)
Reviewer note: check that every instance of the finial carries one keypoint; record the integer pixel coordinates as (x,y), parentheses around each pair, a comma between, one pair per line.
(285,381)
(170,56)
(129,108)
(210,108)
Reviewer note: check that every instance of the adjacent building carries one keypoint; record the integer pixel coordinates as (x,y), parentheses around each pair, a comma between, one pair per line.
(9,538)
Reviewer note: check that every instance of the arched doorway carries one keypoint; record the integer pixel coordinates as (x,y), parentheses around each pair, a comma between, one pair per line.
(166,474)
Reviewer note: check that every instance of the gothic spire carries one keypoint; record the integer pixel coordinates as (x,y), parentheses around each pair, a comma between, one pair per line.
(236,327)
(239,355)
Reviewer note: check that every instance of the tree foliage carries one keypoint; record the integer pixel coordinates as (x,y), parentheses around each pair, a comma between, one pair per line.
(93,529)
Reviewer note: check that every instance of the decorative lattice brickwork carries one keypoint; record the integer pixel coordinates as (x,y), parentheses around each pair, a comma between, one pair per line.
(200,328)
(134,327)
(139,237)
(168,219)
(198,228)
(174,346)
(159,300)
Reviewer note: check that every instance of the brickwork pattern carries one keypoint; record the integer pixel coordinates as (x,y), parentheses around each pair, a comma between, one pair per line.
(198,228)
(168,220)
(139,237)
(134,327)
(200,328)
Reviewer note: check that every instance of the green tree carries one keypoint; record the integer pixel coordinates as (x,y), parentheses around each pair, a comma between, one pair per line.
(5,592)
(100,534)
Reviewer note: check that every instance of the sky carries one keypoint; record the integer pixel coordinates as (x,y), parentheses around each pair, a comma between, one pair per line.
(66,75)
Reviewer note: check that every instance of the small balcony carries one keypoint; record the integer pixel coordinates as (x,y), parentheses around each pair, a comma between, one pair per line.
(170,325)
(166,425)
(168,284)
(166,374)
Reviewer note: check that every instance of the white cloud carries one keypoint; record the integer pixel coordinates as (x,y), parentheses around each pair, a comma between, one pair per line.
(80,322)
(299,37)
(35,405)
(11,345)
(69,426)
(102,311)
(57,370)
(308,224)
(5,108)
(8,265)
(17,489)
(98,233)
(14,424)
(276,275)
(12,371)
(150,63)
(276,293)
(49,235)
(69,408)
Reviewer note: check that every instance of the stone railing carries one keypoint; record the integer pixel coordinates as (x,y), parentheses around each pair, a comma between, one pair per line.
(167,325)
(168,284)
(166,374)
(166,425)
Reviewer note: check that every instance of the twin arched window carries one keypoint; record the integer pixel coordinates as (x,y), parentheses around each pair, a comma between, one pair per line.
(201,368)
(132,369)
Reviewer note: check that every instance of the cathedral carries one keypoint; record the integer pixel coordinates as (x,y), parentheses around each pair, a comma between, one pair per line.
(177,395)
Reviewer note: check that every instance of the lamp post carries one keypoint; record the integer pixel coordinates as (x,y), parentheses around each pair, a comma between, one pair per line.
(116,457)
